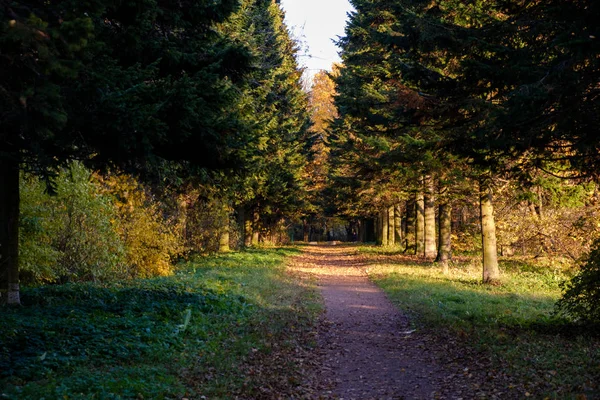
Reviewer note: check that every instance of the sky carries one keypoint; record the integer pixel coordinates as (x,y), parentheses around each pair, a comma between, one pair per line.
(316,23)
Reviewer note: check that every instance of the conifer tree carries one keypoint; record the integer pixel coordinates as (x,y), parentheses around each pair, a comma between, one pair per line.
(110,84)
(274,114)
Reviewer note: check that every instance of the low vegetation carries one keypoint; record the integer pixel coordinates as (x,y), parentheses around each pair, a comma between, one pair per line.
(212,329)
(514,323)
(94,228)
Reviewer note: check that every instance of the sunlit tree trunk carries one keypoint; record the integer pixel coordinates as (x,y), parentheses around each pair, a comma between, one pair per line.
(391,233)
(429,217)
(398,225)
(491,271)
(9,231)
(383,216)
(247,231)
(445,236)
(420,224)
(255,227)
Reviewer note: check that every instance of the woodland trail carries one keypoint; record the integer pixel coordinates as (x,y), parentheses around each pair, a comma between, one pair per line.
(368,348)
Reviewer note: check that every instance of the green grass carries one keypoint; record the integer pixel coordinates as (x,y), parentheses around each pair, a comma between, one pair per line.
(190,334)
(512,322)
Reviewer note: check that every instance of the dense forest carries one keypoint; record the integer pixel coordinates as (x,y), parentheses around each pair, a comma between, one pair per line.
(473,105)
(138,135)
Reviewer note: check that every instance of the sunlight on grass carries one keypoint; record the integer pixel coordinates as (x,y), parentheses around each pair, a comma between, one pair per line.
(460,296)
(513,321)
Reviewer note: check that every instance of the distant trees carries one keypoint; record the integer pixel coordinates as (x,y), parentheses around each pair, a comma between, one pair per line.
(440,111)
(317,172)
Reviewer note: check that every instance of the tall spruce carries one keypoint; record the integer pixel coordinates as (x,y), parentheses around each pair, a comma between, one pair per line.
(110,84)
(274,113)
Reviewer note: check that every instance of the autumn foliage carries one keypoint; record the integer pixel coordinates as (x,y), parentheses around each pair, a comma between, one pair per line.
(95,228)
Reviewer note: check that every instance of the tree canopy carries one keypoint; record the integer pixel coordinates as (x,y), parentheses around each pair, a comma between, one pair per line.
(154,88)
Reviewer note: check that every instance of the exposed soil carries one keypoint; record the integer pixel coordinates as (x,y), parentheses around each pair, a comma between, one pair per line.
(369,350)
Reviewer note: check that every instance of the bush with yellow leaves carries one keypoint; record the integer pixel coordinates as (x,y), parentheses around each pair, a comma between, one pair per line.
(151,240)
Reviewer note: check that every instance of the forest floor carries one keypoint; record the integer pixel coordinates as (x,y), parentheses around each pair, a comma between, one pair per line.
(369,349)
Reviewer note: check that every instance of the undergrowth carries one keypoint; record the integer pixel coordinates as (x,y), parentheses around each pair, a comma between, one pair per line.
(188,335)
(514,322)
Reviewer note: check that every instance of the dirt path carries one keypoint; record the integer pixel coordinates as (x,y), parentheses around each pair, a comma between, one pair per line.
(368,346)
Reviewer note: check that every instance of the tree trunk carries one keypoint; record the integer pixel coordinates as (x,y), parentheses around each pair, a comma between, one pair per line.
(241,226)
(224,231)
(247,231)
(305,230)
(429,216)
(255,227)
(383,215)
(445,236)
(398,225)
(410,226)
(377,228)
(272,233)
(9,231)
(362,231)
(391,233)
(491,272)
(420,224)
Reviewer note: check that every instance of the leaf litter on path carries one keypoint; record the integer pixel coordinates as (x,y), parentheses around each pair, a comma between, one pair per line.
(369,349)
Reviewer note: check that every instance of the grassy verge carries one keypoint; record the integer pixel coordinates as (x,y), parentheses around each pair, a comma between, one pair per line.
(512,323)
(199,333)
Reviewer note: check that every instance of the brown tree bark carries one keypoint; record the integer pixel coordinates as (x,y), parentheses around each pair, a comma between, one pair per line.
(391,233)
(420,224)
(362,231)
(410,226)
(398,224)
(9,231)
(491,272)
(247,231)
(377,228)
(445,236)
(429,218)
(255,227)
(305,230)
(383,216)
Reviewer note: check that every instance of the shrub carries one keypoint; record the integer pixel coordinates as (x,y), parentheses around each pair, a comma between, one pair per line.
(69,236)
(203,224)
(38,259)
(150,239)
(581,295)
(95,228)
